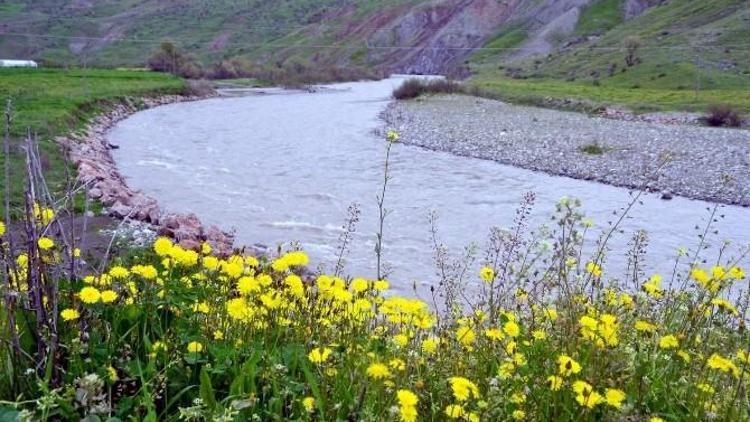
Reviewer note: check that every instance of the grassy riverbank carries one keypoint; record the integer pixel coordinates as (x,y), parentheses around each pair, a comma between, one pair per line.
(587,96)
(52,102)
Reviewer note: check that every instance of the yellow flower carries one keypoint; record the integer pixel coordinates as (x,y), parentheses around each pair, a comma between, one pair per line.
(594,269)
(194,347)
(669,342)
(512,329)
(465,335)
(429,345)
(319,355)
(2,228)
(201,308)
(555,382)
(359,285)
(652,287)
(539,334)
(112,374)
(724,304)
(735,272)
(70,314)
(118,272)
(723,364)
(378,371)
(392,136)
(309,404)
(656,419)
(108,296)
(645,326)
(407,405)
(550,314)
(586,396)
(685,356)
(487,274)
(614,397)
(89,295)
(567,366)
(205,248)
(210,263)
(218,335)
(45,243)
(463,389)
(401,340)
(518,415)
(494,334)
(381,285)
(454,411)
(162,246)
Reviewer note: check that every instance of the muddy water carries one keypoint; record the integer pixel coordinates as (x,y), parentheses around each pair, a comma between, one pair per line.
(285,166)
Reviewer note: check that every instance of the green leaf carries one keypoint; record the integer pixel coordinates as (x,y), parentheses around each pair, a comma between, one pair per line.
(207,390)
(8,415)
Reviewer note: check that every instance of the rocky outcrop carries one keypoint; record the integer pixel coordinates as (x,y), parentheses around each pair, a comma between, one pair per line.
(89,151)
(634,8)
(435,37)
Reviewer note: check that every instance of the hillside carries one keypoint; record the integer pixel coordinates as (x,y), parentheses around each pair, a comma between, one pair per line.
(509,46)
(681,48)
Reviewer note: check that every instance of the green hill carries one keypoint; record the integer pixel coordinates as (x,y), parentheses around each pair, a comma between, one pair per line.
(685,53)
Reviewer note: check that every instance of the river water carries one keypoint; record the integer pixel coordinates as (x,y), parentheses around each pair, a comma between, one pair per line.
(285,166)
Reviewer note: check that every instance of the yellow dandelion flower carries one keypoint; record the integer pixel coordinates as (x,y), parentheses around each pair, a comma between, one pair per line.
(89,295)
(487,274)
(567,366)
(554,382)
(319,355)
(454,411)
(614,397)
(669,342)
(309,404)
(70,314)
(108,296)
(45,243)
(378,371)
(194,347)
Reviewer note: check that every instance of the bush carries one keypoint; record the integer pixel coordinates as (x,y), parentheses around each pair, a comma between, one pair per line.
(723,115)
(413,88)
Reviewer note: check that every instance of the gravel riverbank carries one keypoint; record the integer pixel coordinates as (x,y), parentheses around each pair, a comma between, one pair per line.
(696,162)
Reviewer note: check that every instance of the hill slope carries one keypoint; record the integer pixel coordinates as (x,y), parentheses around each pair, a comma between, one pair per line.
(677,45)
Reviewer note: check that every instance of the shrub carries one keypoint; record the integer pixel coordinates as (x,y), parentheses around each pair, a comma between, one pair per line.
(413,88)
(723,115)
(593,149)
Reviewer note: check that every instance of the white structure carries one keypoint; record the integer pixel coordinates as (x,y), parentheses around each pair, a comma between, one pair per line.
(18,63)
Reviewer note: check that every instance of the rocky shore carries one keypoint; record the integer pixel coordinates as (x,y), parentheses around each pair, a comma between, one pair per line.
(676,159)
(89,150)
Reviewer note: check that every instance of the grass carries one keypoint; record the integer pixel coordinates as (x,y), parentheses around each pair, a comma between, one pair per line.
(53,102)
(600,17)
(642,99)
(593,149)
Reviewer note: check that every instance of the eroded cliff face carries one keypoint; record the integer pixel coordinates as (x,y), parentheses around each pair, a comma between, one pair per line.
(435,37)
(634,8)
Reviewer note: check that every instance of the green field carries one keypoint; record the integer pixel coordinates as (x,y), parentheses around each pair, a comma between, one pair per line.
(52,102)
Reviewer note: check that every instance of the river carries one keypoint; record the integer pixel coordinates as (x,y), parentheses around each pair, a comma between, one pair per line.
(285,166)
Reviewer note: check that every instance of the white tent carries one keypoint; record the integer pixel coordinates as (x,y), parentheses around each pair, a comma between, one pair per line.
(18,63)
